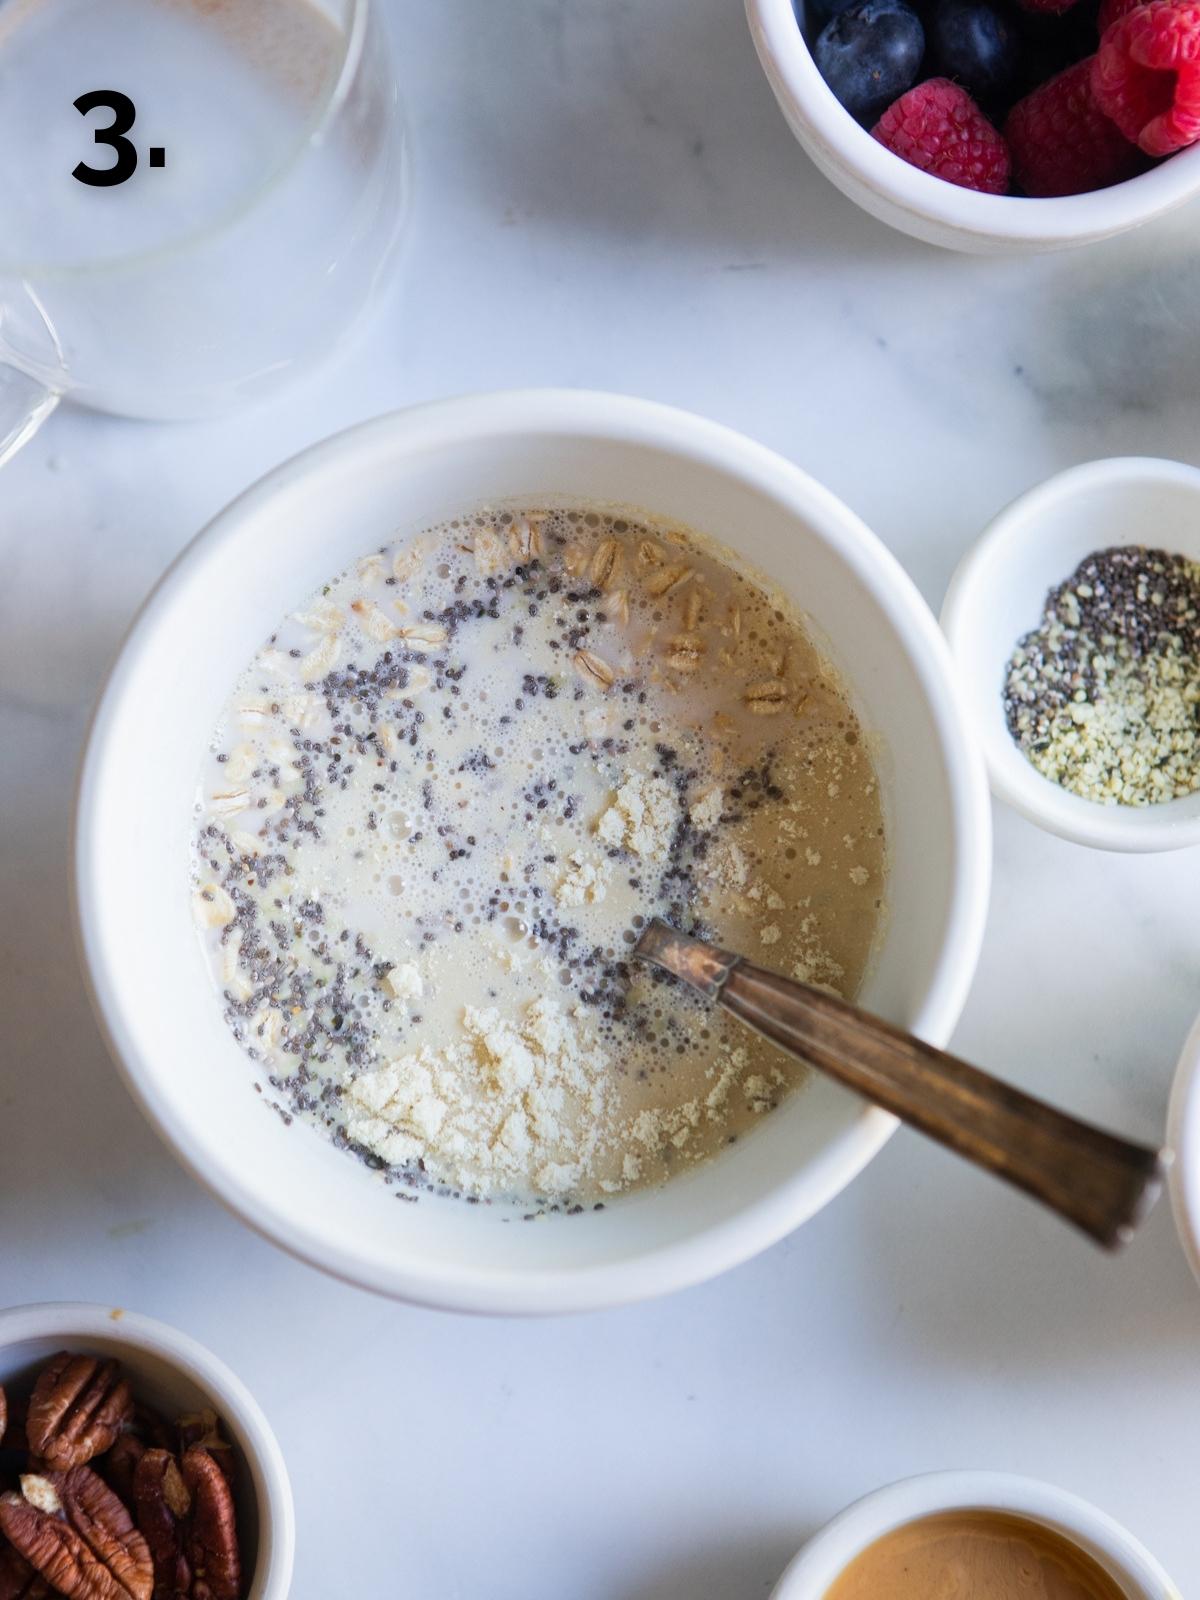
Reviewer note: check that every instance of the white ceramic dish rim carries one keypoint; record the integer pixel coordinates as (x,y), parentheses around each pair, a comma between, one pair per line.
(1183,1139)
(75,1322)
(831,1550)
(1013,779)
(712,1250)
(808,101)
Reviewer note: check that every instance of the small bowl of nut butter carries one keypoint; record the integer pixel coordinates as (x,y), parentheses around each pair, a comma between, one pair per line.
(133,1462)
(989,1535)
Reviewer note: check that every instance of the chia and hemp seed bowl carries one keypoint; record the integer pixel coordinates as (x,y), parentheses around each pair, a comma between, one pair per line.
(1075,625)
(261,559)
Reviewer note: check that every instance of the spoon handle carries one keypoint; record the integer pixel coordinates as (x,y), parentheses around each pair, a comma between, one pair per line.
(1102,1184)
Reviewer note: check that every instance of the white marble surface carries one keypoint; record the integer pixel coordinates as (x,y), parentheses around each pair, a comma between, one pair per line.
(606,195)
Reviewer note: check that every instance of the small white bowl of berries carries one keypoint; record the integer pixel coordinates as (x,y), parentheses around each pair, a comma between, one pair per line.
(993,126)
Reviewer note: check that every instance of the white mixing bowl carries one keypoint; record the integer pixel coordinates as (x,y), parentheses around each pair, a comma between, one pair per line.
(261,558)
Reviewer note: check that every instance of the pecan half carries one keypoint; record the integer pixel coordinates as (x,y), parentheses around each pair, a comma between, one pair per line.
(14,1450)
(78,1408)
(18,1580)
(85,1545)
(119,1465)
(12,1426)
(204,1427)
(161,1503)
(152,1428)
(212,1542)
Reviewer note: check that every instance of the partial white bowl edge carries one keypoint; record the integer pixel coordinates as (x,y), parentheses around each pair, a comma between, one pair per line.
(1183,1140)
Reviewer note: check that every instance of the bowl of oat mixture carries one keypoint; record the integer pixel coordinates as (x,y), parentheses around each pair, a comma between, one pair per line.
(421,730)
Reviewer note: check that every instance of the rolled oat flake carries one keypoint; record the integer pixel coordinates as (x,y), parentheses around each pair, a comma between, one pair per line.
(1103,697)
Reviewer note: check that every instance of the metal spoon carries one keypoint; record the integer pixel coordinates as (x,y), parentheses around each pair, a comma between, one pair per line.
(1102,1184)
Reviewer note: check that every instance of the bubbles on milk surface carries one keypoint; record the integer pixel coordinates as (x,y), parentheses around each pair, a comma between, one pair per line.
(450,788)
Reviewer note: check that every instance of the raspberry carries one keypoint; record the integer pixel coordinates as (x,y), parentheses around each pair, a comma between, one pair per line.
(939,128)
(1061,141)
(1113,10)
(1147,75)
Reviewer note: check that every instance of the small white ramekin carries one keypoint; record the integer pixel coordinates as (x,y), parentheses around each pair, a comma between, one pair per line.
(1183,1140)
(997,595)
(827,1555)
(175,1375)
(927,207)
(311,518)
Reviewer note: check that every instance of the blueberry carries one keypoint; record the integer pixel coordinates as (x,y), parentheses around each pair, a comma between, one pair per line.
(817,13)
(870,55)
(978,45)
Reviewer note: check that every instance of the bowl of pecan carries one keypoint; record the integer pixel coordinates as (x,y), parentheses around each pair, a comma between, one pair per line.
(133,1465)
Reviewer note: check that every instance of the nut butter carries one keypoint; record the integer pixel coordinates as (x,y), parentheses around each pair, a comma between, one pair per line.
(974,1555)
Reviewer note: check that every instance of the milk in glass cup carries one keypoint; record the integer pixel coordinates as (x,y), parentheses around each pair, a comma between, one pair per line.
(266,189)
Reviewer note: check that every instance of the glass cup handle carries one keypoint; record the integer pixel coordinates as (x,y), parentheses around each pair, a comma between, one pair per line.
(24,406)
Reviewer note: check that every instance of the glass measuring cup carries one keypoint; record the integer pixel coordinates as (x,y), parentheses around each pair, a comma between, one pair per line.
(267,192)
